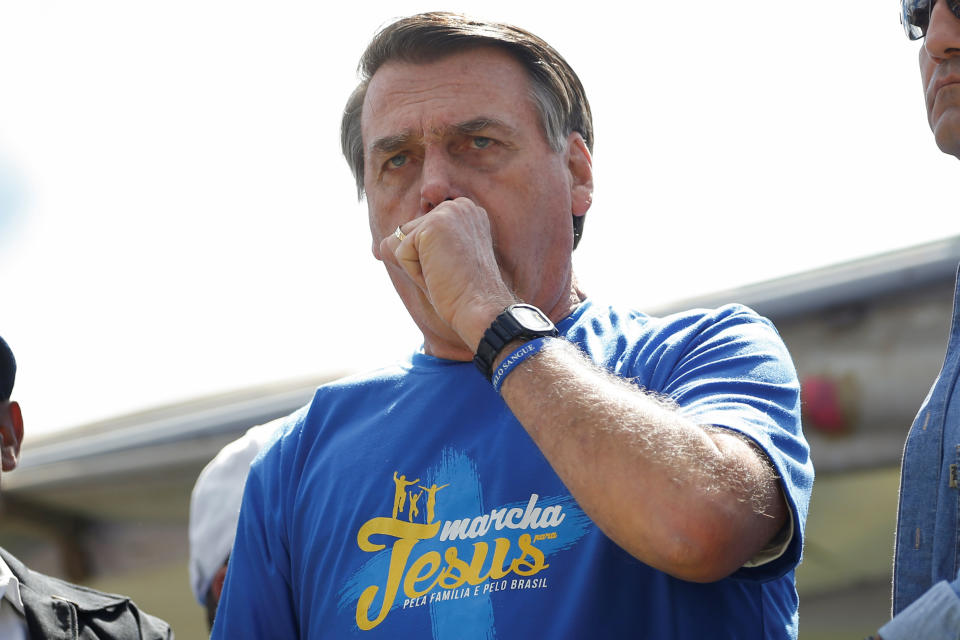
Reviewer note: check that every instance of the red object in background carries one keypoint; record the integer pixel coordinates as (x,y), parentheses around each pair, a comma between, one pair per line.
(822,408)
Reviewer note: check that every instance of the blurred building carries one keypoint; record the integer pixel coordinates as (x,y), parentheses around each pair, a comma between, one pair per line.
(106,504)
(868,338)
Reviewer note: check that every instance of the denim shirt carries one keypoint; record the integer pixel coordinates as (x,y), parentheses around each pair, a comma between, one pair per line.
(927,554)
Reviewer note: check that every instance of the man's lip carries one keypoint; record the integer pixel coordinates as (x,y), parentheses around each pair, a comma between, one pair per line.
(943,82)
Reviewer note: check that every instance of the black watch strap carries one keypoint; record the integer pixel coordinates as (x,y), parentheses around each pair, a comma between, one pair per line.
(506,328)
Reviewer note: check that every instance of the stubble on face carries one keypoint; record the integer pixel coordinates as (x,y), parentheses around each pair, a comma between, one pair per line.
(941,84)
(940,74)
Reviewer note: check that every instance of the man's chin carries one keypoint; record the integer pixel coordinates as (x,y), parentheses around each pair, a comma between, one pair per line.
(946,130)
(949,142)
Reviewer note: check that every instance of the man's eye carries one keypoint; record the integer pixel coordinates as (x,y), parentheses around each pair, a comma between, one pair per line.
(398,160)
(481,142)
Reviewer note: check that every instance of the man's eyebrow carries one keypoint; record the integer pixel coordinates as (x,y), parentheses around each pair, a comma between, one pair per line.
(482,124)
(396,142)
(389,144)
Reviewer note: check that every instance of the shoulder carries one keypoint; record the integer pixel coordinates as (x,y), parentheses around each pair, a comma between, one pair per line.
(289,441)
(599,318)
(345,395)
(726,331)
(693,323)
(115,614)
(634,343)
(345,391)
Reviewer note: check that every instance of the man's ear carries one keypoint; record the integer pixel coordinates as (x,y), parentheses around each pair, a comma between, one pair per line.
(581,174)
(11,435)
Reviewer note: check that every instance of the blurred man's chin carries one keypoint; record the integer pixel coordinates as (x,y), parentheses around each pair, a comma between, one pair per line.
(946,130)
(949,141)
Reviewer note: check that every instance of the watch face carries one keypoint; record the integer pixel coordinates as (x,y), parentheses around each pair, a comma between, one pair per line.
(531,318)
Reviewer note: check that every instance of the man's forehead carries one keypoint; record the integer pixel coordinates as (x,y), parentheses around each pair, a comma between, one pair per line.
(430,98)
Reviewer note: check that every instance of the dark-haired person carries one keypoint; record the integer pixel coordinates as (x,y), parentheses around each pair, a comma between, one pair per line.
(546,466)
(36,607)
(926,573)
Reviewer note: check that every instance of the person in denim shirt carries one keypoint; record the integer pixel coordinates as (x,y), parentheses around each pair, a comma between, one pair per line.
(926,585)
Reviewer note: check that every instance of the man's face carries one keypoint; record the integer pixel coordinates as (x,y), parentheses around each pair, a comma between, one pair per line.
(466,126)
(940,71)
(11,434)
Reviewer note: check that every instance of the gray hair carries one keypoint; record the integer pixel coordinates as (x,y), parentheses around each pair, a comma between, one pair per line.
(556,90)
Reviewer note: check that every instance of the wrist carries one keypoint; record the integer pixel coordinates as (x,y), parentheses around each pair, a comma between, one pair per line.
(517,323)
(508,348)
(473,323)
(512,356)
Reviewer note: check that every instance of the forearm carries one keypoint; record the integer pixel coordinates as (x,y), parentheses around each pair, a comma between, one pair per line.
(694,502)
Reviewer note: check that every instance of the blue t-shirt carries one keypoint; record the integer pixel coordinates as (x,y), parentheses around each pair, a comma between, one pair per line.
(410,503)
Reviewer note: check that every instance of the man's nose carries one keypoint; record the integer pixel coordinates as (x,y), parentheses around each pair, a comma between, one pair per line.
(439,179)
(943,33)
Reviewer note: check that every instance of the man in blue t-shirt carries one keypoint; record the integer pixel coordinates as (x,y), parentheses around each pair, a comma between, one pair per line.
(926,572)
(545,466)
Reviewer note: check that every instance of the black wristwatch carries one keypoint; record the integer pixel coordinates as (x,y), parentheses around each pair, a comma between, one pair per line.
(517,321)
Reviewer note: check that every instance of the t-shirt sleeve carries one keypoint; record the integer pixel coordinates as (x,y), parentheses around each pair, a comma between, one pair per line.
(257,599)
(730,369)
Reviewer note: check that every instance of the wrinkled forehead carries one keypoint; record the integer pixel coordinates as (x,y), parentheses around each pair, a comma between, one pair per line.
(425,99)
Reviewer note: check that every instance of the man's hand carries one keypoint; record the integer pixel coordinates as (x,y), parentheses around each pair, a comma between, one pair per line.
(449,254)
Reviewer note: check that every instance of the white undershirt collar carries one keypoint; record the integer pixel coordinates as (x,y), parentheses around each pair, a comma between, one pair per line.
(10,587)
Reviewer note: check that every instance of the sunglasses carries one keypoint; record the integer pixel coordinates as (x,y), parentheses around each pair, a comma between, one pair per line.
(915,15)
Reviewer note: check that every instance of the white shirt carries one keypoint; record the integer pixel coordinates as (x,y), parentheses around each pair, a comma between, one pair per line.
(13,624)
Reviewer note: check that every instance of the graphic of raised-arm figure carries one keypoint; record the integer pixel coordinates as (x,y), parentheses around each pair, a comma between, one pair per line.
(414,511)
(400,497)
(432,500)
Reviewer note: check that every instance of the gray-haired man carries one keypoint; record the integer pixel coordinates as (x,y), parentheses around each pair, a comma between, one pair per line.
(926,584)
(604,473)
